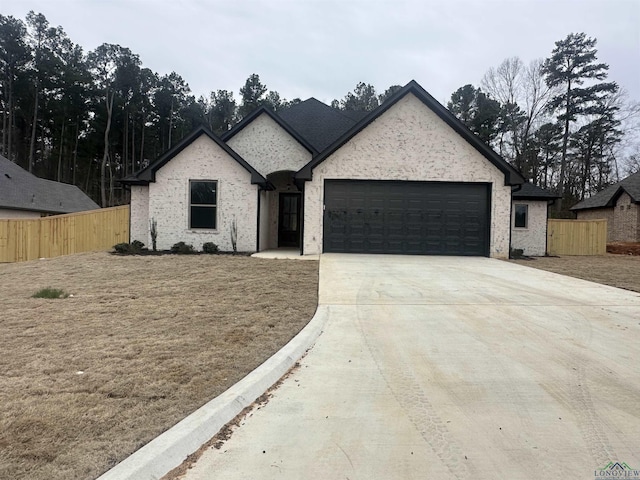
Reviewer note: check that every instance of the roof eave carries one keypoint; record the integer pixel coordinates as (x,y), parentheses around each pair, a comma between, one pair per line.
(34,209)
(148,174)
(133,181)
(512,176)
(534,197)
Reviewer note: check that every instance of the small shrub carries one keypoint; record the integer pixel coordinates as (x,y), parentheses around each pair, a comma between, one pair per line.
(182,248)
(210,247)
(50,293)
(122,248)
(129,248)
(516,253)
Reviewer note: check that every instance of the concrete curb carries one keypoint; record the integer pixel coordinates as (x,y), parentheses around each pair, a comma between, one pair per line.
(171,448)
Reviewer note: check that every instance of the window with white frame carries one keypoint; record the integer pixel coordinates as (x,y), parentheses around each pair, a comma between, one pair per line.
(203,204)
(521,216)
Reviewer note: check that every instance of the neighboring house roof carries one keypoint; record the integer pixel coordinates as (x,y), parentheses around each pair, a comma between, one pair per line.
(21,190)
(238,127)
(529,191)
(148,174)
(512,176)
(607,198)
(320,124)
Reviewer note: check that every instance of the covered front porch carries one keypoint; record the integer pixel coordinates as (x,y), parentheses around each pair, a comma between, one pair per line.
(280,224)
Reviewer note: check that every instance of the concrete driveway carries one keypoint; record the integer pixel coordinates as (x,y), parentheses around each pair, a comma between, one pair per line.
(448,367)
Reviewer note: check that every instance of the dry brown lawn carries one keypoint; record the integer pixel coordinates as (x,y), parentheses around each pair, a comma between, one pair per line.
(87,380)
(622,271)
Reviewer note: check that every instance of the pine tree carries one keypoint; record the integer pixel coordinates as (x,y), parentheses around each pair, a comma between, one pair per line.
(574,61)
(252,95)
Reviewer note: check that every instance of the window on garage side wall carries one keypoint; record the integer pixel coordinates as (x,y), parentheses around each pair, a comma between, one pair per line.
(203,204)
(521,217)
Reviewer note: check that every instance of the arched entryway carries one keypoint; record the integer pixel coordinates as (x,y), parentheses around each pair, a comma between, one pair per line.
(283,211)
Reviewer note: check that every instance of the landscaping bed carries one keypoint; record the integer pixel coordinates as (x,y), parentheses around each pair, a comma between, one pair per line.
(138,344)
(624,248)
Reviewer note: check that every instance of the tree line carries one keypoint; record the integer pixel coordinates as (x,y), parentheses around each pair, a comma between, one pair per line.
(93,118)
(558,120)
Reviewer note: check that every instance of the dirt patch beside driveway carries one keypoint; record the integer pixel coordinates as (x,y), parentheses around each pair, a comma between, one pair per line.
(622,271)
(144,341)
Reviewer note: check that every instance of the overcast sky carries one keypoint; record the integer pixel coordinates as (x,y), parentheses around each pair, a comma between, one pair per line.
(304,48)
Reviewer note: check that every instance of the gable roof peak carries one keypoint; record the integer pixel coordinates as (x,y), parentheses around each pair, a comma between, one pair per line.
(148,174)
(262,110)
(512,176)
(317,122)
(608,196)
(314,100)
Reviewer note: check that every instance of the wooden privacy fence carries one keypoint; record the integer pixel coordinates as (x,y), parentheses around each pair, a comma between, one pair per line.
(576,237)
(47,237)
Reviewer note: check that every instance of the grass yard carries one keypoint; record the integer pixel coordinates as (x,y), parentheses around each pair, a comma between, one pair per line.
(622,271)
(140,343)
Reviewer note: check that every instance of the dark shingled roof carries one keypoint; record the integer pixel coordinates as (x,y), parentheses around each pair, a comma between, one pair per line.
(356,115)
(21,190)
(317,123)
(529,191)
(607,198)
(322,130)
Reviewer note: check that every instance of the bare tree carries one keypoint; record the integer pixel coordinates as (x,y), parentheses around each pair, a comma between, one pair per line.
(504,83)
(523,94)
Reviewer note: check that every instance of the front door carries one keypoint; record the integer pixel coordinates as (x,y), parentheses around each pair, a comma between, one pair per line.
(289,220)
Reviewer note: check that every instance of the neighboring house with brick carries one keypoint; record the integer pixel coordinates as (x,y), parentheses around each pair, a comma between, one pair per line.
(619,205)
(23,195)
(406,178)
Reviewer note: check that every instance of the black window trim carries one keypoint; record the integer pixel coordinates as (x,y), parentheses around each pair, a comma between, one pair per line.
(215,205)
(526,216)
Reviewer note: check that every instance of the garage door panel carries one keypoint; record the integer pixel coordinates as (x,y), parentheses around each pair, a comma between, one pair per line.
(433,218)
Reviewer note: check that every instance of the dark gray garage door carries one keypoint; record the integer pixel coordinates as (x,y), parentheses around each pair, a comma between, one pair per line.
(421,218)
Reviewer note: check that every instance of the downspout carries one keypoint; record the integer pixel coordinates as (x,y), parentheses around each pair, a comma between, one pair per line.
(258,222)
(514,188)
(128,187)
(546,236)
(489,206)
(302,220)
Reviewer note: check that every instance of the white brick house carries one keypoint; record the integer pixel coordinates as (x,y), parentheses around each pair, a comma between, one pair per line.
(406,178)
(168,191)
